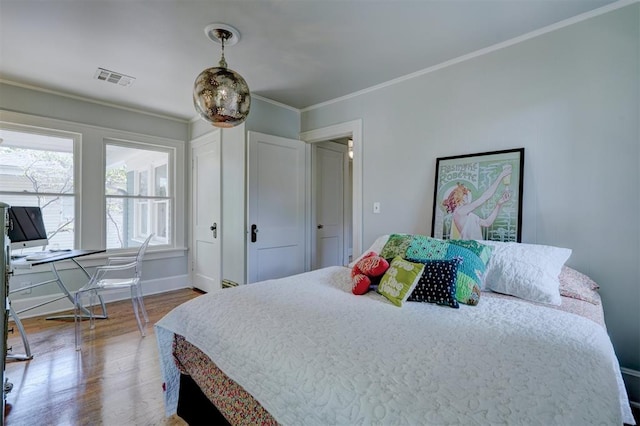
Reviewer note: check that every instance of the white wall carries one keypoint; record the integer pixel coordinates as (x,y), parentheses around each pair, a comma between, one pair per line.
(569,97)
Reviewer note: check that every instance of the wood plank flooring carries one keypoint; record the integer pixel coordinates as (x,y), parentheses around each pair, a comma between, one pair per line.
(115,380)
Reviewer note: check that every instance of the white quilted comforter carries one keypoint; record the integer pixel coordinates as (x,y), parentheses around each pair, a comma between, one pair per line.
(312,353)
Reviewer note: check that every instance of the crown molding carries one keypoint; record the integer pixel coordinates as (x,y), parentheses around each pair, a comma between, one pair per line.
(91,100)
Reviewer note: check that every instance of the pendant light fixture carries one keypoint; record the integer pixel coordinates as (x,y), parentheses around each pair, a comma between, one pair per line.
(220,95)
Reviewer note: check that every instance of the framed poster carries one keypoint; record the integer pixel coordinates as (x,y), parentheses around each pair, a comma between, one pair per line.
(479,196)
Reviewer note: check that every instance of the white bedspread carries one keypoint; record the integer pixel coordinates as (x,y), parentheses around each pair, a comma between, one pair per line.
(312,353)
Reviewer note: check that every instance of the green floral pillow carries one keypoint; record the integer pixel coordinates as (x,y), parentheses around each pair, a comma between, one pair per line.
(400,280)
(396,245)
(471,271)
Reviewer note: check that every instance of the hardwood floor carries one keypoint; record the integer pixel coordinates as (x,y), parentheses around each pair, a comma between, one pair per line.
(115,380)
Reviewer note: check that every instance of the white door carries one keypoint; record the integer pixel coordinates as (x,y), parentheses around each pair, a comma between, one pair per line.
(205,230)
(330,164)
(275,207)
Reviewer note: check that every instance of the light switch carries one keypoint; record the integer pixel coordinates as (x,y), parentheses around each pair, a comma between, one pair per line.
(376,207)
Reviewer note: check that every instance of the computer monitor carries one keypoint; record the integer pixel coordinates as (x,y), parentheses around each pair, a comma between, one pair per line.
(27,228)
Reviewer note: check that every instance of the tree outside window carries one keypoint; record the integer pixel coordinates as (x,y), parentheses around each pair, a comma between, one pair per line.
(37,169)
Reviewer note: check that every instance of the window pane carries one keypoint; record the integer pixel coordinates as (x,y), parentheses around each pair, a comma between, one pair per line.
(115,222)
(137,193)
(161,181)
(143,183)
(123,163)
(37,170)
(35,163)
(161,220)
(128,222)
(59,222)
(142,213)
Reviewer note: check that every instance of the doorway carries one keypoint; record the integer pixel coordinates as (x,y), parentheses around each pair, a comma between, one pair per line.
(348,130)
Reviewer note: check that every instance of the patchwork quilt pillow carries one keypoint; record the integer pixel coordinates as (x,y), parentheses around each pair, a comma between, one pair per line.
(483,251)
(396,245)
(470,275)
(437,284)
(400,280)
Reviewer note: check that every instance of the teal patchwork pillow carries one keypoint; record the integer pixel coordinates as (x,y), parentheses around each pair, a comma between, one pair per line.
(396,245)
(400,280)
(483,251)
(471,271)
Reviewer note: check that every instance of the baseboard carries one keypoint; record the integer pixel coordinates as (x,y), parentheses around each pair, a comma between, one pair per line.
(149,287)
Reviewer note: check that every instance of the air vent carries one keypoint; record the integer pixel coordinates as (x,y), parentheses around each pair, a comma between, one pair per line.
(113,77)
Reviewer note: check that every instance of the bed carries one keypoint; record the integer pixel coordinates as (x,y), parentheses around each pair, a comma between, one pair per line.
(305,350)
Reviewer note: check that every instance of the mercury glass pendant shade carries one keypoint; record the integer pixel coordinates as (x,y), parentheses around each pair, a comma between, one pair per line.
(220,95)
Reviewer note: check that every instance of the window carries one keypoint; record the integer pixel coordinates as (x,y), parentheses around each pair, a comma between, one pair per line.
(97,187)
(138,194)
(37,169)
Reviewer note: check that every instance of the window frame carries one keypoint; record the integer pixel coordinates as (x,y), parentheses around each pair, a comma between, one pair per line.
(148,200)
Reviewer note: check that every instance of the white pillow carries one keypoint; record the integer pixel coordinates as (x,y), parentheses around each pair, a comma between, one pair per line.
(527,271)
(377,247)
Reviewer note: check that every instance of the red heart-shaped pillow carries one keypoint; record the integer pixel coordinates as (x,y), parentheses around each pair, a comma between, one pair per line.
(372,265)
(369,266)
(361,284)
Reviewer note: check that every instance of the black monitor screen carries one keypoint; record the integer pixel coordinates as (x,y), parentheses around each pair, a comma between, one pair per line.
(27,228)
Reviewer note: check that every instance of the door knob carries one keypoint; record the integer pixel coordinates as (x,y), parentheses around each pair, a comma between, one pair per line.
(214,229)
(320,226)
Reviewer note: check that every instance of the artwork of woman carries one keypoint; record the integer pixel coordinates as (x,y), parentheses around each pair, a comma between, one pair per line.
(465,224)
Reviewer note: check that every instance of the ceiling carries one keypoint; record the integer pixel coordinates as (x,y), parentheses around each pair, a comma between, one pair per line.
(296,52)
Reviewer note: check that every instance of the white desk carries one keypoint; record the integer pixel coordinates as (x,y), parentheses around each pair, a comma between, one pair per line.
(51,259)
